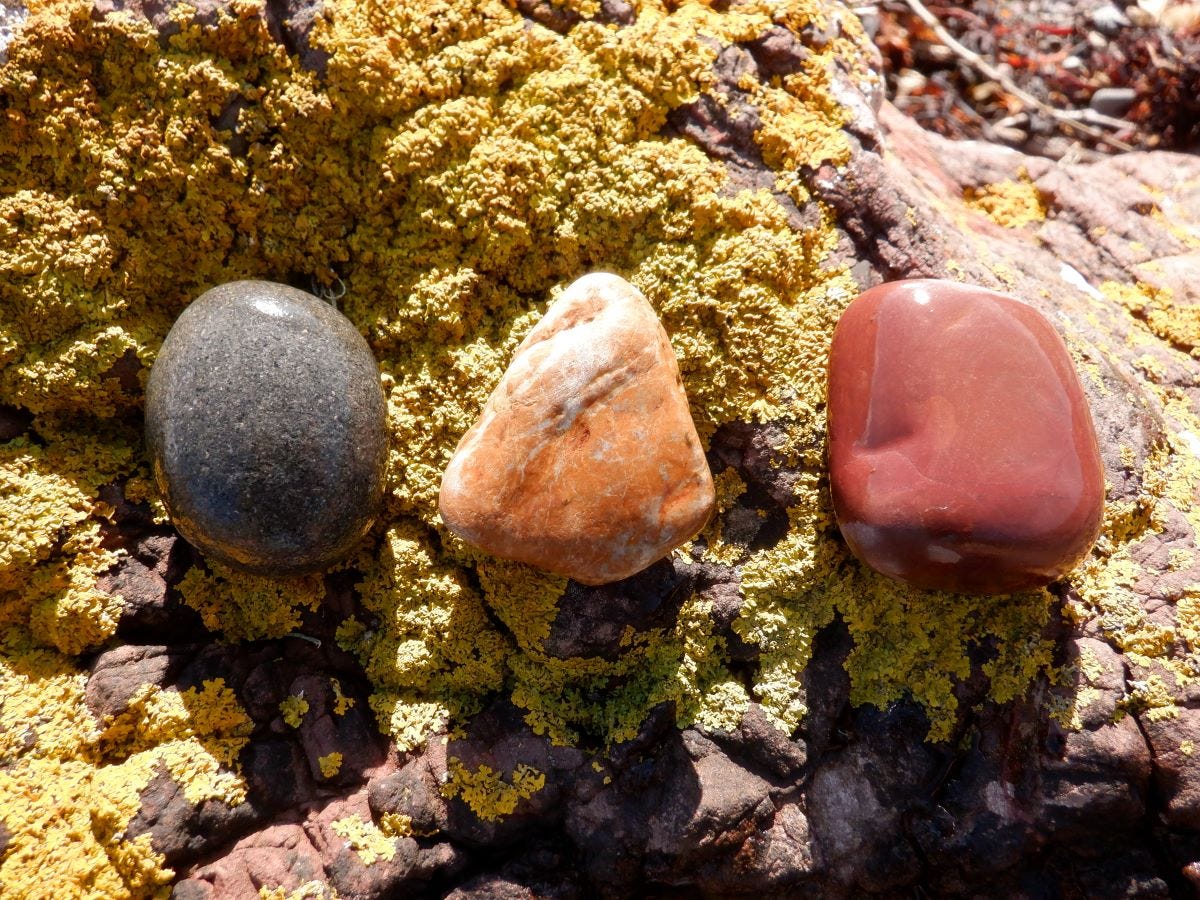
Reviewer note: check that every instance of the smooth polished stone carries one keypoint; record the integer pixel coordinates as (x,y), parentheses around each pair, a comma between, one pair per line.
(585,460)
(962,454)
(266,426)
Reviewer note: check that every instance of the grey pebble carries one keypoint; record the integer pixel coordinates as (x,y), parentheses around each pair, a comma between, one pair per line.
(1114,102)
(266,427)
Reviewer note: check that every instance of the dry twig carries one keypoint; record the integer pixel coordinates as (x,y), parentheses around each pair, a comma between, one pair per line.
(1082,120)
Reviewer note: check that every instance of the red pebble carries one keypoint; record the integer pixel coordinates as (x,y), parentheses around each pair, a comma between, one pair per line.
(962,454)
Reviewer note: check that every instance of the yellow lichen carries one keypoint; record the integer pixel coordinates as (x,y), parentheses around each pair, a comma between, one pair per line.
(365,839)
(722,706)
(486,792)
(436,651)
(1187,232)
(729,486)
(293,708)
(1067,707)
(1107,582)
(1174,322)
(75,783)
(158,726)
(906,642)
(396,825)
(683,665)
(1179,559)
(1010,204)
(310,890)
(51,524)
(1006,275)
(330,764)
(1151,698)
(341,703)
(523,598)
(73,804)
(249,607)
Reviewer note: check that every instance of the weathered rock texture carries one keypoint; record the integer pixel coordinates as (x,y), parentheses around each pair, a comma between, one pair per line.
(760,715)
(585,460)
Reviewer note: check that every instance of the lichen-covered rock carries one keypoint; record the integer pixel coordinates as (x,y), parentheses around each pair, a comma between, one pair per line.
(457,164)
(266,429)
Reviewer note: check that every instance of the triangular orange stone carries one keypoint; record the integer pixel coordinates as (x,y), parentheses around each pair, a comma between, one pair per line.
(585,460)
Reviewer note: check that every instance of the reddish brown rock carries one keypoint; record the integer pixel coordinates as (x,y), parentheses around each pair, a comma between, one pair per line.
(961,449)
(585,460)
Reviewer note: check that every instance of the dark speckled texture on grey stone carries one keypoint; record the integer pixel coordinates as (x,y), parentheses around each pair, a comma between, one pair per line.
(266,425)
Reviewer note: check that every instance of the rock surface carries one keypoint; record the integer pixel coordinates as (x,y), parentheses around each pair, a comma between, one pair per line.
(585,460)
(481,159)
(962,455)
(266,426)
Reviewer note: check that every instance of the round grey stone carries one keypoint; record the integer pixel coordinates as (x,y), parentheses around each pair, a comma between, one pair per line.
(1114,102)
(266,427)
